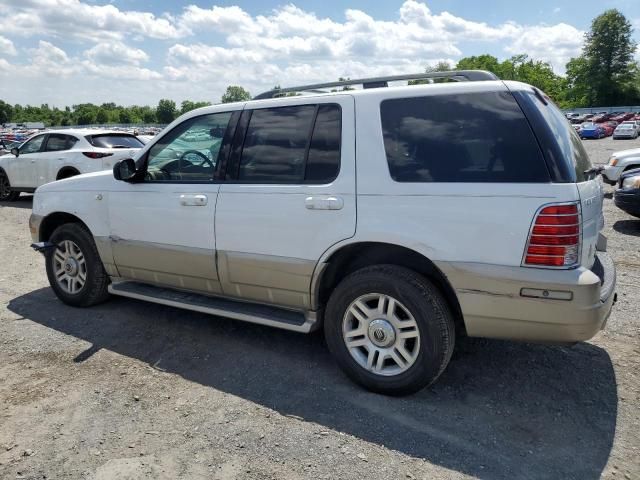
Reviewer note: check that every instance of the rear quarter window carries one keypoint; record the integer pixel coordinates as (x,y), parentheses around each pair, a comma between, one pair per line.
(115,141)
(469,137)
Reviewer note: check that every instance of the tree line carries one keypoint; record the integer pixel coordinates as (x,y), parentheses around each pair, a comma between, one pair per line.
(605,74)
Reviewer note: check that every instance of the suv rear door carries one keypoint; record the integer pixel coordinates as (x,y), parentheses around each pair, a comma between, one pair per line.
(288,195)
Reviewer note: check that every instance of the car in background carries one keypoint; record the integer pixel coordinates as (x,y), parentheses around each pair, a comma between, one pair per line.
(608,129)
(620,162)
(58,154)
(591,130)
(626,130)
(627,196)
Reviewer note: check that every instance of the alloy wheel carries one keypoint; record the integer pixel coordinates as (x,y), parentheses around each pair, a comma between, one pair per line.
(70,267)
(381,334)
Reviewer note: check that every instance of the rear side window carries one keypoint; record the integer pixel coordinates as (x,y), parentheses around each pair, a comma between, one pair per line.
(469,137)
(275,145)
(566,137)
(323,161)
(115,141)
(58,142)
(292,145)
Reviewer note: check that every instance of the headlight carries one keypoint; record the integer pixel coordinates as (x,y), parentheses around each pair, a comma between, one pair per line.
(613,161)
(631,182)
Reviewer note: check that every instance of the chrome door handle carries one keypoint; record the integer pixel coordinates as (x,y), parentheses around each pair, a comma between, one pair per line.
(191,200)
(324,202)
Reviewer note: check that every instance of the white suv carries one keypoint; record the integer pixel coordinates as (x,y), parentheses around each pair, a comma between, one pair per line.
(397,218)
(57,154)
(620,162)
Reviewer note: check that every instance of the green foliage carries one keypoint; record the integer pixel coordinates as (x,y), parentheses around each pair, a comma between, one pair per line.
(188,105)
(235,93)
(166,111)
(605,73)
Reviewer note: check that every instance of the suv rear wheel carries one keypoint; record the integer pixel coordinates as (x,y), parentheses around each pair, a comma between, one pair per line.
(390,329)
(74,268)
(6,194)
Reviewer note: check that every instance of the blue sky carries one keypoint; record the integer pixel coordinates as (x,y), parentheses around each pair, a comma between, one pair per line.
(65,52)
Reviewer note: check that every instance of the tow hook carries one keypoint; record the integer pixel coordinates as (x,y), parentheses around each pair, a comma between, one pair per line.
(42,247)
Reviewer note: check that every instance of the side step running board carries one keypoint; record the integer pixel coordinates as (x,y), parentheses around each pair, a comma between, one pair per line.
(248,312)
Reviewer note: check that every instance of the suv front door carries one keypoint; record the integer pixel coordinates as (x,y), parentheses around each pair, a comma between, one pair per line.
(162,228)
(288,195)
(22,169)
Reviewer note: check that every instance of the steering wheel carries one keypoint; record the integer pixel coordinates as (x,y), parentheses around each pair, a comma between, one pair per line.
(205,159)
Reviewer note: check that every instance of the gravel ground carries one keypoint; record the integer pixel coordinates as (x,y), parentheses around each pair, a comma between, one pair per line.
(133,390)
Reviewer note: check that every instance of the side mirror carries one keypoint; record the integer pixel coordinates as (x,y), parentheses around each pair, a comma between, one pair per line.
(15,151)
(125,170)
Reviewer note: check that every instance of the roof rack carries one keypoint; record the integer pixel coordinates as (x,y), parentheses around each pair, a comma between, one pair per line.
(377,82)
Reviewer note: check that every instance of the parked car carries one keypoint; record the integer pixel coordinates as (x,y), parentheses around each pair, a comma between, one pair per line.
(608,129)
(612,123)
(627,196)
(591,130)
(477,208)
(620,162)
(625,130)
(59,154)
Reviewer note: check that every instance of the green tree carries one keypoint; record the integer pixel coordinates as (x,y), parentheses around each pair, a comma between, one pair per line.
(188,105)
(102,116)
(6,112)
(166,111)
(235,93)
(605,73)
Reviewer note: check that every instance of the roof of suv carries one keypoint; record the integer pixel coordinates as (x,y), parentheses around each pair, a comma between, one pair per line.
(86,131)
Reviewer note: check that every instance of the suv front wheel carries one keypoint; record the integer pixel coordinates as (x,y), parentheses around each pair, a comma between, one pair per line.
(390,329)
(74,268)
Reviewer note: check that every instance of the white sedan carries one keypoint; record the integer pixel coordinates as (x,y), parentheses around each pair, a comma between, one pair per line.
(57,154)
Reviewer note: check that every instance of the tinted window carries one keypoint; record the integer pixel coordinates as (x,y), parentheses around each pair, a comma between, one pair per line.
(469,137)
(32,145)
(189,152)
(115,141)
(323,161)
(275,145)
(566,137)
(57,142)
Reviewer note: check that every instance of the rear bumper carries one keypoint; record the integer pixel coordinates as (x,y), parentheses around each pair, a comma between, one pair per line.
(496,301)
(628,201)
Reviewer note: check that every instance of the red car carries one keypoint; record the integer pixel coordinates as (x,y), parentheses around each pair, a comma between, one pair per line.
(608,129)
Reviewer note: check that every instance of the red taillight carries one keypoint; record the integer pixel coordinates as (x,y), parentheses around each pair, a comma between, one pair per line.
(554,240)
(96,154)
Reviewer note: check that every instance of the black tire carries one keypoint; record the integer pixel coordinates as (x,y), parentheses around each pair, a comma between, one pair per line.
(7,195)
(422,299)
(94,290)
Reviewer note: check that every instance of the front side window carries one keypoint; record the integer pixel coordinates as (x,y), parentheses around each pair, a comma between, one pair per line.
(32,145)
(58,142)
(468,137)
(189,152)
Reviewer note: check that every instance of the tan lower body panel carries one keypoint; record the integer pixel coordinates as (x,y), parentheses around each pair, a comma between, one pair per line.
(492,305)
(268,279)
(173,266)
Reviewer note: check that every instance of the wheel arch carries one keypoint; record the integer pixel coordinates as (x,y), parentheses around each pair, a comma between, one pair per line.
(67,172)
(351,257)
(54,220)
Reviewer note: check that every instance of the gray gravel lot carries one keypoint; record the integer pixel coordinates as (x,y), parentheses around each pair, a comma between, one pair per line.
(134,390)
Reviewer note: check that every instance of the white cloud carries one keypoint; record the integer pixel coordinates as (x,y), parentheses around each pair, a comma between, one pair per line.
(109,53)
(555,44)
(73,18)
(144,56)
(7,47)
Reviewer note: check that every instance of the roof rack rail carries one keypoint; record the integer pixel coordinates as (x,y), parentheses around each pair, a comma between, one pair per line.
(377,82)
